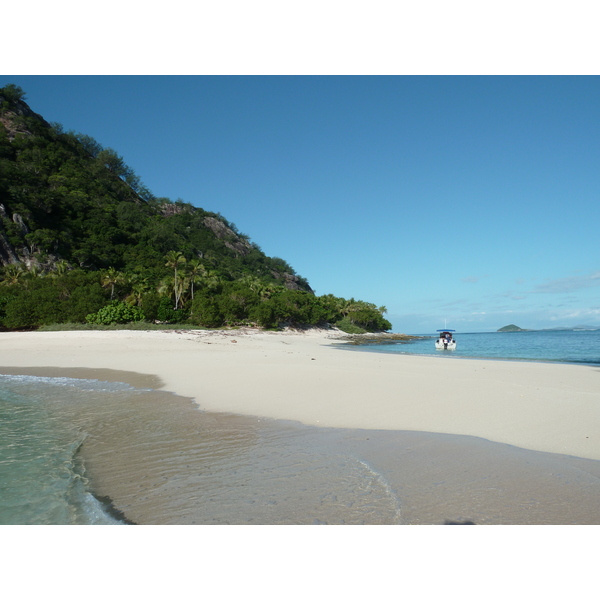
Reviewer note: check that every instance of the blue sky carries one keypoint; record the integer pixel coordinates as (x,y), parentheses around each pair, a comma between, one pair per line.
(471,200)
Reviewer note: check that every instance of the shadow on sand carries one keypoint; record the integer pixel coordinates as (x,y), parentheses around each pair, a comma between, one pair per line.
(465,522)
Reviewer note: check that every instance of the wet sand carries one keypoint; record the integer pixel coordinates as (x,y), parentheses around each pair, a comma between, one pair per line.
(161,460)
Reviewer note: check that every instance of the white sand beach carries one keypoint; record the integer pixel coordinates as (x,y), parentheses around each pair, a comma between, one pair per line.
(299,376)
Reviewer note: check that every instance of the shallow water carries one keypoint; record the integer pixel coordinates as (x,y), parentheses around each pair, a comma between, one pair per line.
(76,450)
(579,347)
(42,475)
(86,451)
(195,468)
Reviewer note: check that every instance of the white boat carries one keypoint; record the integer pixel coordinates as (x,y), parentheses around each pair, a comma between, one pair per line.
(445,340)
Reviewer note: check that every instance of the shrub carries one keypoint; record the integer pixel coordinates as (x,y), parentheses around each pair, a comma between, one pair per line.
(31,308)
(167,314)
(348,327)
(206,312)
(150,305)
(116,312)
(265,315)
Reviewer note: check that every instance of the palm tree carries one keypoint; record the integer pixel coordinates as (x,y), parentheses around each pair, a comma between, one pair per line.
(211,279)
(260,287)
(267,291)
(175,258)
(183,283)
(253,282)
(61,267)
(165,286)
(345,306)
(12,273)
(168,286)
(195,271)
(139,287)
(34,272)
(111,278)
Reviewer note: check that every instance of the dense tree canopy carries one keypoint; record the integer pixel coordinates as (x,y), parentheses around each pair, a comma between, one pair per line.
(82,239)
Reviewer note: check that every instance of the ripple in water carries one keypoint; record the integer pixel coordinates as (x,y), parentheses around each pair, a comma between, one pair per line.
(42,477)
(67,442)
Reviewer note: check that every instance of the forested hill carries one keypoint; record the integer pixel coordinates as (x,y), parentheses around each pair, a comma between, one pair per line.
(74,216)
(65,197)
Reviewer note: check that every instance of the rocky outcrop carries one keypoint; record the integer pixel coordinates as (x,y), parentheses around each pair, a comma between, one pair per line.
(15,126)
(7,252)
(292,282)
(18,219)
(242,247)
(169,209)
(382,337)
(10,254)
(231,239)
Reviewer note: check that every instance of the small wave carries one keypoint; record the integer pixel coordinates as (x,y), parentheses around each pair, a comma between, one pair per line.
(382,482)
(42,473)
(85,507)
(85,385)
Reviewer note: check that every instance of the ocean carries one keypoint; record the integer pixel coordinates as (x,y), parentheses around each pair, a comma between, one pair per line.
(79,450)
(578,346)
(42,475)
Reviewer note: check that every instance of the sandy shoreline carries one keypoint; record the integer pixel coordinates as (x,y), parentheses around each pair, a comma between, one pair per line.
(300,377)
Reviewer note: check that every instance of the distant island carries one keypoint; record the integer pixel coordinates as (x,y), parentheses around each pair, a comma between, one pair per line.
(511,328)
(575,328)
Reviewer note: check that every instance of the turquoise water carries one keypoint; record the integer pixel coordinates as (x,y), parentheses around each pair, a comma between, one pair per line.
(581,347)
(42,476)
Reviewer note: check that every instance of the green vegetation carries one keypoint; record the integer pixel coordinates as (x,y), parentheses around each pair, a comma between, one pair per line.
(133,326)
(510,328)
(12,93)
(83,241)
(116,312)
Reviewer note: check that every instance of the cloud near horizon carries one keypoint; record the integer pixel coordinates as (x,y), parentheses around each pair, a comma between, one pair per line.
(567,284)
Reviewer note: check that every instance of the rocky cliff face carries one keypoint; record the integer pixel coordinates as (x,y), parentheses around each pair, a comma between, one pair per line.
(292,282)
(11,122)
(8,253)
(231,239)
(13,125)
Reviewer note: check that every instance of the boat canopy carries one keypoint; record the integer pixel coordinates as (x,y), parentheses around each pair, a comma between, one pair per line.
(446,330)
